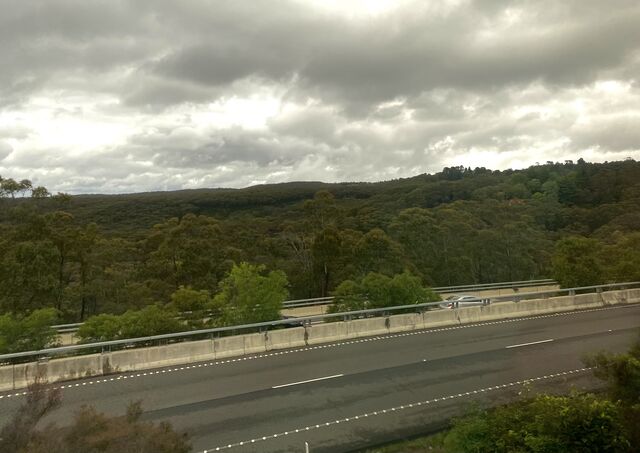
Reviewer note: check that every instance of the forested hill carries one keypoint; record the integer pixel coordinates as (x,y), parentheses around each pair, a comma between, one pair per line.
(573,185)
(143,210)
(94,253)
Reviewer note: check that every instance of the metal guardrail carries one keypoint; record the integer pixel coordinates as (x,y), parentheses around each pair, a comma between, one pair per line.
(312,302)
(307,320)
(67,328)
(501,285)
(297,303)
(441,290)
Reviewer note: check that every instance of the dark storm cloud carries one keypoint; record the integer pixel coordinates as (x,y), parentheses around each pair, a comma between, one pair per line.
(40,36)
(417,57)
(219,65)
(406,53)
(410,51)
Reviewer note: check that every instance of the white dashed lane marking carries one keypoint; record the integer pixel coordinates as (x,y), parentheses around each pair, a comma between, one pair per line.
(313,348)
(393,409)
(308,381)
(529,344)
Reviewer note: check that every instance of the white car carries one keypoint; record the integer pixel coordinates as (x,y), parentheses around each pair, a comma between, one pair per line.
(461,300)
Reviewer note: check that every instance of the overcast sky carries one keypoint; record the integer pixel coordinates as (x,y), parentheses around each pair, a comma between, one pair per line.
(115,96)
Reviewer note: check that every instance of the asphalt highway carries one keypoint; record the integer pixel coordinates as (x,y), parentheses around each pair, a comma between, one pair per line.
(347,395)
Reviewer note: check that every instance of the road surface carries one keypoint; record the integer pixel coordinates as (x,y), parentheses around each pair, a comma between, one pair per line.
(347,395)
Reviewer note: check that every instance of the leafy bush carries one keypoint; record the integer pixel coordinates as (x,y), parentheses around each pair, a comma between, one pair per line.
(28,333)
(550,424)
(100,328)
(247,296)
(621,372)
(187,299)
(577,262)
(151,320)
(379,291)
(194,307)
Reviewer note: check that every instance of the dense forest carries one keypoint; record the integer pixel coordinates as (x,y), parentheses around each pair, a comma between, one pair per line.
(89,254)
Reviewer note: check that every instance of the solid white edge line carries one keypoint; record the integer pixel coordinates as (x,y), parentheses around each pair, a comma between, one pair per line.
(528,344)
(307,381)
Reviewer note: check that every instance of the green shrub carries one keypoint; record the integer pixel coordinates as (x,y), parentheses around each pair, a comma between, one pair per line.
(550,424)
(151,320)
(28,333)
(248,296)
(379,291)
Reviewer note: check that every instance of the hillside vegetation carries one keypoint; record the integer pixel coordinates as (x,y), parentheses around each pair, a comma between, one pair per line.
(90,254)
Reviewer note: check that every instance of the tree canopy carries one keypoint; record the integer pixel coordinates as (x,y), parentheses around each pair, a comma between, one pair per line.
(93,254)
(249,295)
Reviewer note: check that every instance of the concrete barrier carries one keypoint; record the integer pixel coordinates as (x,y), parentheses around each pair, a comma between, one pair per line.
(255,343)
(73,367)
(367,327)
(228,346)
(7,375)
(620,297)
(285,338)
(20,375)
(437,318)
(157,356)
(409,321)
(327,332)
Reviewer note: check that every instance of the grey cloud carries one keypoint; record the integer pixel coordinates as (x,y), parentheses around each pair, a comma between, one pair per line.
(418,58)
(189,148)
(91,165)
(16,132)
(42,40)
(384,97)
(220,65)
(5,150)
(230,147)
(610,134)
(68,19)
(158,93)
(407,53)
(317,124)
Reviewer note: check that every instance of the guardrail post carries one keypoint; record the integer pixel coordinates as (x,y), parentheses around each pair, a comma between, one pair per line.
(572,292)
